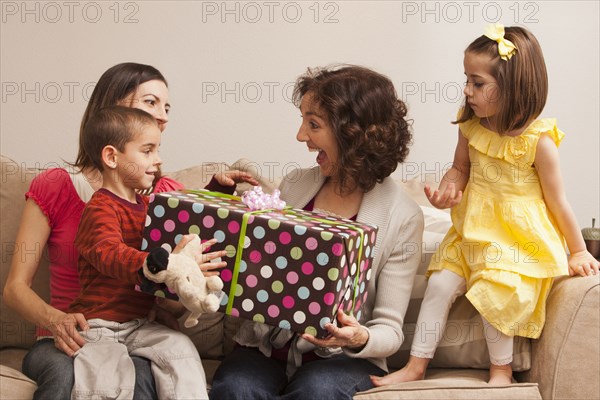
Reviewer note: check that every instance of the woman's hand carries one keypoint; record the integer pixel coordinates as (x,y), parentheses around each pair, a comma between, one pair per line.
(233,177)
(66,334)
(349,334)
(34,231)
(448,198)
(583,263)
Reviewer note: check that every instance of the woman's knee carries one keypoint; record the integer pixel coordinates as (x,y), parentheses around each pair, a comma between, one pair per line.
(52,370)
(44,360)
(337,378)
(240,387)
(247,374)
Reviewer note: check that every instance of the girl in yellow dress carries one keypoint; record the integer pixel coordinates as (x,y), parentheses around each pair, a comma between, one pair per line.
(506,243)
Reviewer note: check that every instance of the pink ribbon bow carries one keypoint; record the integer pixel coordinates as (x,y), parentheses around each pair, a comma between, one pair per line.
(256,199)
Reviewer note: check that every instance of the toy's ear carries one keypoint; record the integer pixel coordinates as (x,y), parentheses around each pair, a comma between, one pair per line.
(157,260)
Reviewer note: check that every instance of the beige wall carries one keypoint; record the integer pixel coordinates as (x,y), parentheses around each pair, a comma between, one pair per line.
(230,66)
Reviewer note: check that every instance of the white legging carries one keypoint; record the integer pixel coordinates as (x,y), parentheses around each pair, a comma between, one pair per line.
(443,288)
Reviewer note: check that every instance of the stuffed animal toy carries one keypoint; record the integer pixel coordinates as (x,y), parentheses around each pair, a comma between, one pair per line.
(181,274)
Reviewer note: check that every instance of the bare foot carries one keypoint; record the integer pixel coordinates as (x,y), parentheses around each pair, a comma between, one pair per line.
(414,370)
(500,375)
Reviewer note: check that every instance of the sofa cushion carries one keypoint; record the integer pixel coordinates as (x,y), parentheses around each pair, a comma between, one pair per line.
(14,183)
(452,384)
(15,385)
(12,357)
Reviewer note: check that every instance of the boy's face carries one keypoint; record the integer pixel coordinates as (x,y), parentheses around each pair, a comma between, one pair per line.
(139,161)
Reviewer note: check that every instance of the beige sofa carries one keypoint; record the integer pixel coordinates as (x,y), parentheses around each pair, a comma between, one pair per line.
(562,364)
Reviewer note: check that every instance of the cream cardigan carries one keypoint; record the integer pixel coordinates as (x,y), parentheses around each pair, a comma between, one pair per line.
(396,259)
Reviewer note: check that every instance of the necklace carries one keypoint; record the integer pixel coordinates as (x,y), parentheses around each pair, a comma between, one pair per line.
(326,212)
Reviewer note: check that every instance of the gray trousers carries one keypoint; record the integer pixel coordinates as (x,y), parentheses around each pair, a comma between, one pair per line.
(104,370)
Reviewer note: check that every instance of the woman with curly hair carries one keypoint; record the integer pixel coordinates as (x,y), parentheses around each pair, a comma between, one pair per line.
(353,119)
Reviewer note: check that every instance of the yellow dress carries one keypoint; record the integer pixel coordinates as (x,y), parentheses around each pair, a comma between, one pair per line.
(503,239)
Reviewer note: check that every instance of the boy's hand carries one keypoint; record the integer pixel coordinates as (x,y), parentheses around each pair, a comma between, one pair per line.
(233,177)
(447,199)
(203,259)
(583,263)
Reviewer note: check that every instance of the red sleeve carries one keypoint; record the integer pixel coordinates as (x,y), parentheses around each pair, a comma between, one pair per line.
(166,184)
(53,191)
(100,242)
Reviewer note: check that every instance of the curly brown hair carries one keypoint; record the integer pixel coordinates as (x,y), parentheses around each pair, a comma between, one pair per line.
(367,118)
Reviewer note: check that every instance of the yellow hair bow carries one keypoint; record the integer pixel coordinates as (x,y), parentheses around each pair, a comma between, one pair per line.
(506,48)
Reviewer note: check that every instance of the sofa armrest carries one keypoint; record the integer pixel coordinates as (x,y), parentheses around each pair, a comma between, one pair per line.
(566,358)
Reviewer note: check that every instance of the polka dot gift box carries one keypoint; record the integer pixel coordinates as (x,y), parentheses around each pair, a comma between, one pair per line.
(290,268)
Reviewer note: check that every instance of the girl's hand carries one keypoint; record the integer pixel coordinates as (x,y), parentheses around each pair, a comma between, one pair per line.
(583,263)
(447,199)
(349,334)
(233,177)
(66,334)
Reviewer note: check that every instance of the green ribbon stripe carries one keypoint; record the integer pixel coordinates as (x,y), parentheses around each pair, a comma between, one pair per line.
(215,194)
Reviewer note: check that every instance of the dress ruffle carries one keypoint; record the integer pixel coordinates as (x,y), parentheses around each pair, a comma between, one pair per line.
(513,149)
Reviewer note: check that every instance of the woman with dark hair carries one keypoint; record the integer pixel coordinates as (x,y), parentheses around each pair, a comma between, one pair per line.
(353,119)
(132,85)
